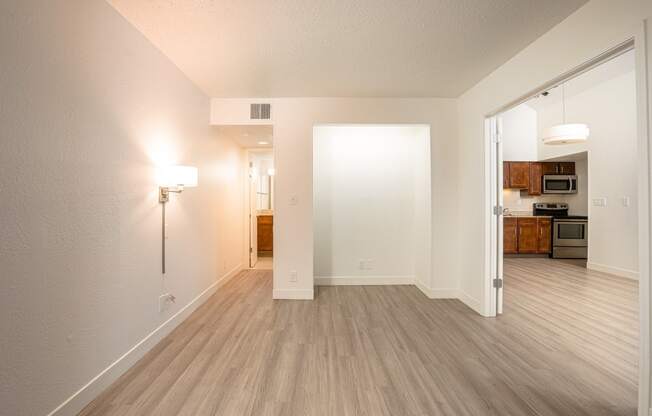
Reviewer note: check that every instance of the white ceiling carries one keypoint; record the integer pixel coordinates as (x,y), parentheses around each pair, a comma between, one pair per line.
(248,136)
(609,70)
(329,48)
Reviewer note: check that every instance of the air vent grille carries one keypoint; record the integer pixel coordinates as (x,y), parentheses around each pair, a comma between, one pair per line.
(260,111)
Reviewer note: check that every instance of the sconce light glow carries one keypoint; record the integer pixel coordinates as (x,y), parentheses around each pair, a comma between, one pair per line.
(263,143)
(271,171)
(178,176)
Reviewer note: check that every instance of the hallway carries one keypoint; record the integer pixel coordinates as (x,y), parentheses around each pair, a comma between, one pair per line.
(565,345)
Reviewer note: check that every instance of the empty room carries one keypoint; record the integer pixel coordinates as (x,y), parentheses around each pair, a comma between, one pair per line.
(325,208)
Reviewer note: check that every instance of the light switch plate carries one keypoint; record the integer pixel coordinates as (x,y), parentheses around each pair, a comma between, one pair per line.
(599,202)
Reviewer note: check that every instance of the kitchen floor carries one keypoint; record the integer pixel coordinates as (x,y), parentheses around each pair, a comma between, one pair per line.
(566,345)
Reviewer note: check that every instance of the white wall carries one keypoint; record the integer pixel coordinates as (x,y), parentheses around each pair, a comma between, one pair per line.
(366,191)
(89,108)
(294,119)
(520,134)
(594,28)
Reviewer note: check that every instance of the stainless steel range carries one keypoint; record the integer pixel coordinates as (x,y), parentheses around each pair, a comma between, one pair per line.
(569,232)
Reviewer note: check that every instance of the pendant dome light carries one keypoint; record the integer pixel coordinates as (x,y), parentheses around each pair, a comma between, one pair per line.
(565,133)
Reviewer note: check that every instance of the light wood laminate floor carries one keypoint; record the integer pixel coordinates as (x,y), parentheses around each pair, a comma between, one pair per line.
(566,345)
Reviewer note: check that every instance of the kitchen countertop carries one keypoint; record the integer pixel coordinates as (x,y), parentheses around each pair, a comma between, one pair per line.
(525,214)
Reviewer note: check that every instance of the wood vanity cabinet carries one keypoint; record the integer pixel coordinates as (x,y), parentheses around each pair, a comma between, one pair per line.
(519,175)
(536,178)
(265,237)
(527,235)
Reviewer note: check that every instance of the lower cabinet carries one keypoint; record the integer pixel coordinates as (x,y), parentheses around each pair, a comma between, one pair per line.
(528,239)
(544,229)
(510,235)
(527,235)
(265,233)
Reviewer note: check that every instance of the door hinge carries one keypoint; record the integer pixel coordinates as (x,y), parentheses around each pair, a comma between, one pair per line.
(498,283)
(498,210)
(251,250)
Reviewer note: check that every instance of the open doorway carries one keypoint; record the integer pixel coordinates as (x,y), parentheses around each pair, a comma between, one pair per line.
(565,239)
(257,144)
(261,208)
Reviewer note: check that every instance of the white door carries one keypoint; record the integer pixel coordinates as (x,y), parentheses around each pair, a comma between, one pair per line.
(253,218)
(494,127)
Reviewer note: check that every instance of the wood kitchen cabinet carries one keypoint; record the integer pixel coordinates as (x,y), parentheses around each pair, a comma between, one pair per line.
(536,178)
(558,168)
(527,235)
(519,175)
(567,168)
(505,175)
(510,236)
(544,231)
(529,175)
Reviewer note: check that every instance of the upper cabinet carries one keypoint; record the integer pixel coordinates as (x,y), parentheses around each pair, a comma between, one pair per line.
(558,168)
(505,175)
(519,175)
(529,175)
(536,178)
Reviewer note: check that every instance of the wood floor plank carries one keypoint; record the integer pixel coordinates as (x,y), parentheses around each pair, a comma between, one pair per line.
(567,344)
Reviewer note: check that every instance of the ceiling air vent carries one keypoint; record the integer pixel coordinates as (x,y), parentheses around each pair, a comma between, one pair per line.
(260,112)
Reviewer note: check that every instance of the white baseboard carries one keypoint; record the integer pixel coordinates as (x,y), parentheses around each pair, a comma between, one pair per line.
(616,271)
(471,302)
(437,293)
(234,272)
(363,280)
(294,294)
(75,403)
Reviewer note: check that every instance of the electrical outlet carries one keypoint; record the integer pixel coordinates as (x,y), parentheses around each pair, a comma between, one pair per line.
(164,301)
(294,200)
(361,264)
(369,263)
(626,201)
(293,276)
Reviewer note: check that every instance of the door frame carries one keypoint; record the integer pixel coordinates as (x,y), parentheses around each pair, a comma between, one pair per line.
(493,172)
(252,233)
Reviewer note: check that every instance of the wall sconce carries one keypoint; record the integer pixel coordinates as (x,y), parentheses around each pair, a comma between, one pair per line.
(173,179)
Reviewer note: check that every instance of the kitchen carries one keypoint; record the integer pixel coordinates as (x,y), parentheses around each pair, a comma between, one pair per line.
(574,200)
(538,218)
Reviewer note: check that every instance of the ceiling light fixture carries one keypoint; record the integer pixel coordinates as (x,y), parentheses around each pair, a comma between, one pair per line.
(263,143)
(565,133)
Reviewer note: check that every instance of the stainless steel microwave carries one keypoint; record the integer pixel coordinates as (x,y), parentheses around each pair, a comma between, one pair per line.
(559,184)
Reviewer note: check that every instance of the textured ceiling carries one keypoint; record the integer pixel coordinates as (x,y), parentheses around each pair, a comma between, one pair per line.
(343,48)
(250,136)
